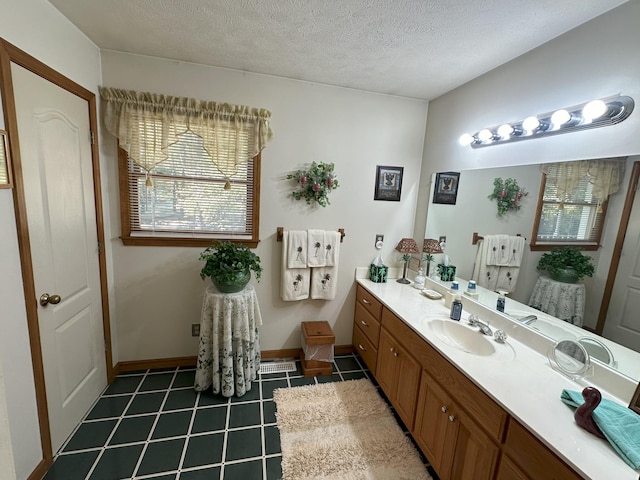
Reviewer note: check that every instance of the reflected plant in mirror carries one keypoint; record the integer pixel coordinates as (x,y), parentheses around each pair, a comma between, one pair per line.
(507,193)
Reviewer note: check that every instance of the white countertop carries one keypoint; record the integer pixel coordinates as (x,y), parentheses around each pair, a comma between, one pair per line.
(525,386)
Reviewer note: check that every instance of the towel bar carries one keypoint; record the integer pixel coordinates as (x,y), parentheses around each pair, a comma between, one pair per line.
(476,237)
(280,233)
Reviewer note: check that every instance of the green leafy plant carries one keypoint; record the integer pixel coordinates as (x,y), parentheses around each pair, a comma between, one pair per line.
(508,194)
(224,259)
(562,258)
(315,183)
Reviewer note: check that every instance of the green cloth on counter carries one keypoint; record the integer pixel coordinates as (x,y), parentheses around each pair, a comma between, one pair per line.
(619,424)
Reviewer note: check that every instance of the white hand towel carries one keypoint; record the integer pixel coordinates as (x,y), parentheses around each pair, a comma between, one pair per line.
(324,283)
(516,251)
(294,282)
(315,248)
(507,279)
(324,280)
(485,275)
(497,249)
(331,247)
(297,249)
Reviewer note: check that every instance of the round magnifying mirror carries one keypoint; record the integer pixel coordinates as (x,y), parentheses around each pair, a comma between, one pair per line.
(570,358)
(598,350)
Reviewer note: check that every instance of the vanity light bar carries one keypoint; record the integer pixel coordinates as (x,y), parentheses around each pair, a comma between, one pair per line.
(594,114)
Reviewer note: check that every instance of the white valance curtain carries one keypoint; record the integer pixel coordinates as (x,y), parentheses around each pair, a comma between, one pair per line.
(605,176)
(146,124)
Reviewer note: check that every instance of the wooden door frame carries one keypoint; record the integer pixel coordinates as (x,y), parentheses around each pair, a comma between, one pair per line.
(11,54)
(617,249)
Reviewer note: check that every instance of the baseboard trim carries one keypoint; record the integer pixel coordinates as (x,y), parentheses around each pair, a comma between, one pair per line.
(41,470)
(156,363)
(134,365)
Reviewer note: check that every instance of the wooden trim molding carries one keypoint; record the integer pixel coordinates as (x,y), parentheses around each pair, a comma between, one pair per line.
(174,362)
(617,249)
(11,54)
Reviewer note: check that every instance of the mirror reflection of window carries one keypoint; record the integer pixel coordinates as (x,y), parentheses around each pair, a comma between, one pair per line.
(4,162)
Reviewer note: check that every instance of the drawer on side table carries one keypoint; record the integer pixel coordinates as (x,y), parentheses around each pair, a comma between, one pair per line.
(370,326)
(368,301)
(365,348)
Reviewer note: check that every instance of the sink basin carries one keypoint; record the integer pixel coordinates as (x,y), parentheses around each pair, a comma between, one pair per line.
(463,338)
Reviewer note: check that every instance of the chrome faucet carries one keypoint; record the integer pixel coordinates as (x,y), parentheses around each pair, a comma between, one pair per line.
(474,321)
(528,320)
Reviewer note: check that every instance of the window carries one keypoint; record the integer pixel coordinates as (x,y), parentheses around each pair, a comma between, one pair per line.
(189,169)
(574,218)
(184,202)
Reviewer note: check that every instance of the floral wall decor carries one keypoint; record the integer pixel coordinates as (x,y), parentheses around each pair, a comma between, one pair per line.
(508,194)
(314,184)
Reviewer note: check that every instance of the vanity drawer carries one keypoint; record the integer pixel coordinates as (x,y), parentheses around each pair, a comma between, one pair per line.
(533,457)
(365,348)
(368,301)
(370,326)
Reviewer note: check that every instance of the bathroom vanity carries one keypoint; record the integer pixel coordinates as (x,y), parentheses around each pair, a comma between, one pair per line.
(478,408)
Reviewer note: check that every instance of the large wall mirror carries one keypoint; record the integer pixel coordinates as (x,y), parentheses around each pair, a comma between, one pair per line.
(474,212)
(5,166)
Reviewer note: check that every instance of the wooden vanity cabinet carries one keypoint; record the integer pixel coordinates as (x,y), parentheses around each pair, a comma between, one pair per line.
(366,327)
(456,446)
(463,432)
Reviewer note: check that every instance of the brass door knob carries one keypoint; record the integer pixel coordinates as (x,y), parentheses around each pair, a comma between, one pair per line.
(46,299)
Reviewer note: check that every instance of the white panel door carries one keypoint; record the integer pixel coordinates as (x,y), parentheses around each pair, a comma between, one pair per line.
(623,317)
(55,147)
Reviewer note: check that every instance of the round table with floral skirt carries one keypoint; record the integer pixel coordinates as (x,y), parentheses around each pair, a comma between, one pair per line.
(229,350)
(562,300)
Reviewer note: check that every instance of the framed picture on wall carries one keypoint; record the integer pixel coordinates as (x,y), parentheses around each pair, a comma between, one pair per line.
(446,190)
(388,183)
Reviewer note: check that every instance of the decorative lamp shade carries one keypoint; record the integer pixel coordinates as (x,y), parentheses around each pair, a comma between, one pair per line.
(431,245)
(407,245)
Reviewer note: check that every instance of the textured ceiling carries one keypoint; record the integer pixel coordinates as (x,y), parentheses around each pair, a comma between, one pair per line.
(412,48)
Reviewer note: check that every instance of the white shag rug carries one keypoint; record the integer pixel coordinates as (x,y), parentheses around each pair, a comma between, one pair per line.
(342,430)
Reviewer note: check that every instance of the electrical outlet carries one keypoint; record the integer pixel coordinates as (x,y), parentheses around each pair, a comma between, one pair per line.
(195,329)
(442,238)
(379,241)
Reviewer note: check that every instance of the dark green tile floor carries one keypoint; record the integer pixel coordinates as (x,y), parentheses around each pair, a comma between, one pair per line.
(153,425)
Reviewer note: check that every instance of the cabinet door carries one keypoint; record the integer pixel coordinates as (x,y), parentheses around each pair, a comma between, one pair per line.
(475,455)
(432,426)
(509,471)
(387,367)
(398,373)
(454,445)
(407,387)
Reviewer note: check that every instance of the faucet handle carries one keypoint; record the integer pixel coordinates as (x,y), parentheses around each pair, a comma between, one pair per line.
(473,319)
(500,336)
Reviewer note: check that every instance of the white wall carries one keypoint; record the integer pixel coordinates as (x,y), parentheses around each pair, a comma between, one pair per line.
(158,289)
(37,28)
(595,60)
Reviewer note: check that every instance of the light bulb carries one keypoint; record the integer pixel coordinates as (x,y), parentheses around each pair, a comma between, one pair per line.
(485,135)
(465,139)
(530,123)
(505,131)
(560,117)
(593,110)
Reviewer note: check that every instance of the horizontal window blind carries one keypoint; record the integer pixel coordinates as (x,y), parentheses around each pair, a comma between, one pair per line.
(188,194)
(572,218)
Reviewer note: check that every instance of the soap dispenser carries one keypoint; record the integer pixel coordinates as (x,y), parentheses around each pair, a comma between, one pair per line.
(456,308)
(501,301)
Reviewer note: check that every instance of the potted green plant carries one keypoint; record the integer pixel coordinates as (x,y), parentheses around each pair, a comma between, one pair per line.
(566,264)
(229,265)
